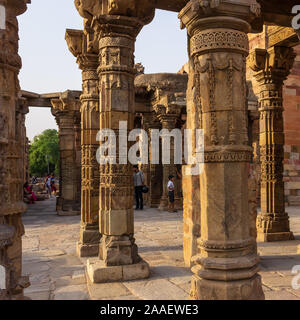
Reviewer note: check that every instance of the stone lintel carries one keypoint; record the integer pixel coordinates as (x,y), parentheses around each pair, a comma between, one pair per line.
(98,272)
(280,36)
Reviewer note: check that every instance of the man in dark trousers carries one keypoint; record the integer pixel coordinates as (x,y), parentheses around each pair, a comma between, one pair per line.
(138,180)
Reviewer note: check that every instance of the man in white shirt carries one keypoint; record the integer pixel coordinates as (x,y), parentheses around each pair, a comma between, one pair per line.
(171,190)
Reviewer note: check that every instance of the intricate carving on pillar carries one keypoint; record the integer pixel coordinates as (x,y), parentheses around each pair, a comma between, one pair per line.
(66,110)
(116,33)
(168,113)
(83,45)
(226,264)
(272,67)
(12,146)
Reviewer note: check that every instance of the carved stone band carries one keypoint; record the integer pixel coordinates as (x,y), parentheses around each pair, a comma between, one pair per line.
(212,39)
(116,42)
(237,156)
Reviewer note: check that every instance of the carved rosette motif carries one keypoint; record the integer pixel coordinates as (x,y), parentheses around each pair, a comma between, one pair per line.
(272,67)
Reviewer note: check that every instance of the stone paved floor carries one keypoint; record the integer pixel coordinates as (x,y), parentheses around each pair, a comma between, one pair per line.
(57,273)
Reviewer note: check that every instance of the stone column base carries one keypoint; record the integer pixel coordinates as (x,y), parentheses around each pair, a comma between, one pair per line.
(98,272)
(164,204)
(275,236)
(68,213)
(248,289)
(87,250)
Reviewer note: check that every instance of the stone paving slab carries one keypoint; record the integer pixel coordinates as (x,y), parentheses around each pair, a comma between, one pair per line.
(57,273)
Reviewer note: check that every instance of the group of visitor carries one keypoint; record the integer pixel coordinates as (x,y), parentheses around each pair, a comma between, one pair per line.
(30,197)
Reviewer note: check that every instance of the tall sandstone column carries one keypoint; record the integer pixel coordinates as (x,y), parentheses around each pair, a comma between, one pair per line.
(12,139)
(84,47)
(226,266)
(67,112)
(272,67)
(167,115)
(155,170)
(118,254)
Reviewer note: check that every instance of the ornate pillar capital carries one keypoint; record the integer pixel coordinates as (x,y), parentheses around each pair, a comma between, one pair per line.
(238,15)
(142,9)
(271,65)
(168,111)
(66,106)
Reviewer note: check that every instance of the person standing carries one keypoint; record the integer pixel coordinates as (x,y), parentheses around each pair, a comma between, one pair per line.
(48,185)
(138,180)
(171,190)
(52,184)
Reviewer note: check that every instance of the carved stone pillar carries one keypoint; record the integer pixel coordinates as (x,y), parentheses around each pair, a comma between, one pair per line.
(167,115)
(154,170)
(119,258)
(83,46)
(191,182)
(67,112)
(226,266)
(12,139)
(272,67)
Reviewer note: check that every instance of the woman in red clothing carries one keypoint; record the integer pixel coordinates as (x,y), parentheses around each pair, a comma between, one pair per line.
(29,194)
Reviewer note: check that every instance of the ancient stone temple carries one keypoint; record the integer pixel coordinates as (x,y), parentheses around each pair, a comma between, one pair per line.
(240,77)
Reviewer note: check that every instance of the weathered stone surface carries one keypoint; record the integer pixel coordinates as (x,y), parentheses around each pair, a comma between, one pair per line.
(152,290)
(272,67)
(107,291)
(98,272)
(13,148)
(75,292)
(225,262)
(81,45)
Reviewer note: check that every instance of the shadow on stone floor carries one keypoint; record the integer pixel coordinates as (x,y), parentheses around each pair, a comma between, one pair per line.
(160,248)
(171,272)
(279,262)
(141,216)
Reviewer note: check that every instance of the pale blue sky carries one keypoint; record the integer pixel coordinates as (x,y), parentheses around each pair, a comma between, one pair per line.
(48,66)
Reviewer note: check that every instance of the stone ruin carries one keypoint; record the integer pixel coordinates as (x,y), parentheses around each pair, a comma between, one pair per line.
(220,225)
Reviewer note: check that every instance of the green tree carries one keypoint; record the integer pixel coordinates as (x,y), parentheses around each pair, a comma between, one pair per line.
(44,153)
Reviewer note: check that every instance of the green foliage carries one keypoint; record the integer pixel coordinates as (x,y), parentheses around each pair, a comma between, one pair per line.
(44,149)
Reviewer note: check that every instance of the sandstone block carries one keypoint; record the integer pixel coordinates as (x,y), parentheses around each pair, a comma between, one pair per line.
(99,273)
(139,270)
